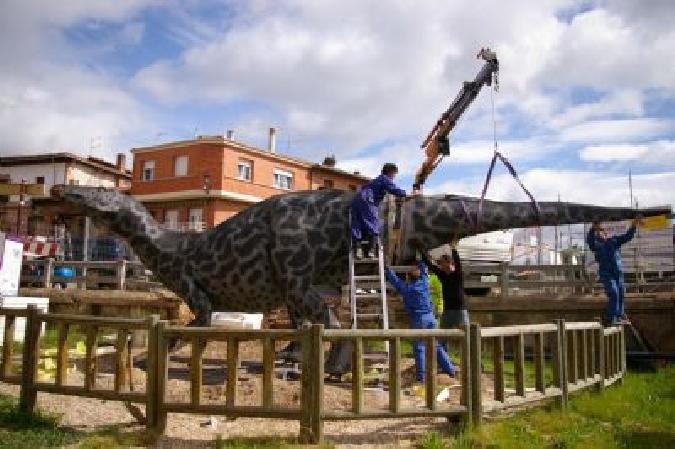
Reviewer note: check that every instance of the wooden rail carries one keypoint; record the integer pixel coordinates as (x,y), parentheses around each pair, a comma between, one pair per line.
(87,270)
(580,355)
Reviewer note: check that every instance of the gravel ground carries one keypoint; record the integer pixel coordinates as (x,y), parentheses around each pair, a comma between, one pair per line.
(186,430)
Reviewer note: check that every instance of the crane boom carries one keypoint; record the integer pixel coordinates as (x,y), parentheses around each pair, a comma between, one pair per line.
(436,144)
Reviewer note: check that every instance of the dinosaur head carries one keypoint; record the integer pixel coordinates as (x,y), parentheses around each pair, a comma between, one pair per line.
(85,200)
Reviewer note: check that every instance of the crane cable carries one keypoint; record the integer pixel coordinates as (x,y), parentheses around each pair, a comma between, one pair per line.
(497,155)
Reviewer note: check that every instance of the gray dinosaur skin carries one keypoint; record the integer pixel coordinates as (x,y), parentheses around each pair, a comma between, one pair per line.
(284,250)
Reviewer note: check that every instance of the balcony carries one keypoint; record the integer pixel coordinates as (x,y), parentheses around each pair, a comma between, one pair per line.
(185,226)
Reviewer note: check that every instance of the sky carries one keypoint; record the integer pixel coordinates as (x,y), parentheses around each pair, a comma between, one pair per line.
(586,88)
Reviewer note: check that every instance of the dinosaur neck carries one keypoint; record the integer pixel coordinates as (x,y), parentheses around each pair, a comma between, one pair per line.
(150,242)
(429,222)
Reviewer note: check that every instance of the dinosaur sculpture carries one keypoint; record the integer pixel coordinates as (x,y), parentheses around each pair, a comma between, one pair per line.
(287,249)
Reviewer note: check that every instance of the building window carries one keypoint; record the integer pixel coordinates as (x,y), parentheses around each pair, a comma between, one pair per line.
(171,219)
(180,166)
(328,184)
(195,220)
(148,173)
(245,170)
(74,182)
(352,187)
(40,180)
(283,179)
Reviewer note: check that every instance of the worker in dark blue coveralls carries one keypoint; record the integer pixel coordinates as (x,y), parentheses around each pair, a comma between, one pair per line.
(608,255)
(417,302)
(365,222)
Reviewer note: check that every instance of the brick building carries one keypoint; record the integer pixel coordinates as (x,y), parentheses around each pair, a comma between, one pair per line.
(196,184)
(32,212)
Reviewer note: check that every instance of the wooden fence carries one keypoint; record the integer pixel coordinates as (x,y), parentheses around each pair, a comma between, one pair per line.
(96,273)
(582,355)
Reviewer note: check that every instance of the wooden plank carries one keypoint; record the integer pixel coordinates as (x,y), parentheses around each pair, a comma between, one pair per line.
(62,354)
(395,375)
(113,323)
(514,331)
(498,351)
(305,385)
(590,336)
(121,356)
(579,325)
(30,357)
(343,415)
(8,345)
(519,364)
(476,390)
(583,354)
(559,367)
(600,357)
(152,380)
(380,334)
(162,373)
(317,387)
(196,370)
(240,411)
(357,376)
(622,349)
(466,394)
(268,373)
(90,357)
(432,372)
(220,334)
(76,390)
(232,367)
(539,363)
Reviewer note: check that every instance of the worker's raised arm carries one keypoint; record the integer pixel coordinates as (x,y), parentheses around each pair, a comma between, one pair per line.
(457,261)
(590,238)
(392,188)
(430,263)
(626,236)
(394,280)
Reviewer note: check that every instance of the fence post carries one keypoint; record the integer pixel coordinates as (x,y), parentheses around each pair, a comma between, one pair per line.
(317,384)
(465,398)
(622,348)
(504,280)
(305,384)
(31,349)
(476,390)
(49,269)
(121,274)
(152,358)
(600,356)
(561,359)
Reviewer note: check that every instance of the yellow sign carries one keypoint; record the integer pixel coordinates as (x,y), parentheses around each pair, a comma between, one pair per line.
(655,223)
(27,189)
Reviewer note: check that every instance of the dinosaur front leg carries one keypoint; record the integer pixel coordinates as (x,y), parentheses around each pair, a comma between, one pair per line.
(200,305)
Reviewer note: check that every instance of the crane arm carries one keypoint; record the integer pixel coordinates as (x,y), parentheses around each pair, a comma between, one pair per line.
(436,144)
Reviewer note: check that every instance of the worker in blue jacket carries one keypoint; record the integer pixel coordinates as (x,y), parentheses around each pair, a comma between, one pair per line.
(607,252)
(417,302)
(365,223)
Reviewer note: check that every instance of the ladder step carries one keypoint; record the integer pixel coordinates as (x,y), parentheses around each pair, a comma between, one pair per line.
(370,277)
(369,315)
(368,296)
(366,261)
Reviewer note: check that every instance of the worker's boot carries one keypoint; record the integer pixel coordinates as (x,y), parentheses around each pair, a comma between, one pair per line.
(367,246)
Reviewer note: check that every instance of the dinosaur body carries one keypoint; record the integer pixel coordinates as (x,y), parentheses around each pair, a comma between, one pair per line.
(286,250)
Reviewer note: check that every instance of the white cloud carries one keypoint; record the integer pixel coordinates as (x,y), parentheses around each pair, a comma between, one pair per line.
(661,152)
(590,187)
(617,130)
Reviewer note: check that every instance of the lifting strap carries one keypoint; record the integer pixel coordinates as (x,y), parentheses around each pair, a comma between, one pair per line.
(497,155)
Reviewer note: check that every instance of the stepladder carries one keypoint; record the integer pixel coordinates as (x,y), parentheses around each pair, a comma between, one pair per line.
(368,295)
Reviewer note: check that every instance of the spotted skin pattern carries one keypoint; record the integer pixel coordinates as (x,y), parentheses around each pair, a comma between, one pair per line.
(290,249)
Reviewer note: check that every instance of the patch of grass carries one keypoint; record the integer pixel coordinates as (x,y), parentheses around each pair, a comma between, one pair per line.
(40,430)
(432,440)
(640,413)
(264,443)
(19,430)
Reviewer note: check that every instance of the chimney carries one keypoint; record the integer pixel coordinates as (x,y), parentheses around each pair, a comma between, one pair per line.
(273,140)
(229,134)
(329,161)
(121,161)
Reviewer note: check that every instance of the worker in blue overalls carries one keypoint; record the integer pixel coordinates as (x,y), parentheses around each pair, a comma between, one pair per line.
(417,302)
(607,252)
(365,223)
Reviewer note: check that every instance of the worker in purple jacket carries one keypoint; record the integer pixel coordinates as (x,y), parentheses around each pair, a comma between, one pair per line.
(365,223)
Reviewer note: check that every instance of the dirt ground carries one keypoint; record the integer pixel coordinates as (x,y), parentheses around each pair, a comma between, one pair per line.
(187,430)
